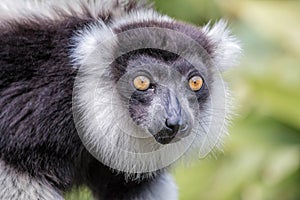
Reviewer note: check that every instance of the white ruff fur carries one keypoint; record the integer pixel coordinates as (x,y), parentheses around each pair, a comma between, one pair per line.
(16,186)
(105,125)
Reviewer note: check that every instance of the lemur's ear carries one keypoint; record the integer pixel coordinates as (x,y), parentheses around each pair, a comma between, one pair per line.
(226,48)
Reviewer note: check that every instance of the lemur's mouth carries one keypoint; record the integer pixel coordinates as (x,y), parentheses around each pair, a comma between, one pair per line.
(166,140)
(168,135)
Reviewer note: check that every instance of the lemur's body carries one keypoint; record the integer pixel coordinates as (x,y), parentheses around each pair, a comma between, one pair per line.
(41,154)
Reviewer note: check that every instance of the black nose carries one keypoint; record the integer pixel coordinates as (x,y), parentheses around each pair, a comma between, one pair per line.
(174,124)
(168,133)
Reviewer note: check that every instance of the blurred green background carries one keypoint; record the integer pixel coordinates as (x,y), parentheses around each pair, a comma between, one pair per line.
(261,158)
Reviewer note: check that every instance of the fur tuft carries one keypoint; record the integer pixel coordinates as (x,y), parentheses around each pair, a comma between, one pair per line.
(227,50)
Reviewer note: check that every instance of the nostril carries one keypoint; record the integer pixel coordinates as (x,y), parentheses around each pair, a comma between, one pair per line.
(184,128)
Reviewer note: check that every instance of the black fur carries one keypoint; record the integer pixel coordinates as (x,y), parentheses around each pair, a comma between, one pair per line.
(36,82)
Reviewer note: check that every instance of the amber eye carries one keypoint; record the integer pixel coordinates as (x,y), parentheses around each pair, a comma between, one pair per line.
(196,83)
(141,83)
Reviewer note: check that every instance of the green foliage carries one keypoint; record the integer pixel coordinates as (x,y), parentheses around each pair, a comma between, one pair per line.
(194,11)
(79,194)
(262,157)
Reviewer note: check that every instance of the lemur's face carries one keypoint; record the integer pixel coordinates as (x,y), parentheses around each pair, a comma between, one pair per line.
(148,92)
(164,95)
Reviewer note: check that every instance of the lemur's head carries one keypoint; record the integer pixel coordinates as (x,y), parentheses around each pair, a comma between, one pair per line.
(149,89)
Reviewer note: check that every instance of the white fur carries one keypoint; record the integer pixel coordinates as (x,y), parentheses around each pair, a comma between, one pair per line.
(13,9)
(141,16)
(86,42)
(164,188)
(16,186)
(227,48)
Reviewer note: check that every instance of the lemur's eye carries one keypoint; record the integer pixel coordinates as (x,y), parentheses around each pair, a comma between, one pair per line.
(196,83)
(141,83)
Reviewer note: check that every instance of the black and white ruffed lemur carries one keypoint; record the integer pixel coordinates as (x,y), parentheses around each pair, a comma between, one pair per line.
(106,94)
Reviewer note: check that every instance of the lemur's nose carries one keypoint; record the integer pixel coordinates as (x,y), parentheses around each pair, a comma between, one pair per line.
(174,124)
